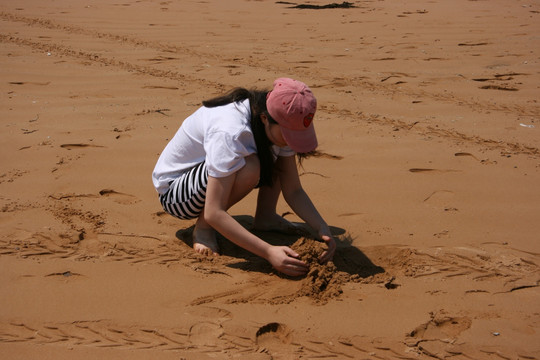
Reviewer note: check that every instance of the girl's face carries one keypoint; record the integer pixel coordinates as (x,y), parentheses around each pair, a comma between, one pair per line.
(273,131)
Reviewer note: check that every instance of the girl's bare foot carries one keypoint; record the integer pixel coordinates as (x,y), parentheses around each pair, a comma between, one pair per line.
(205,241)
(275,223)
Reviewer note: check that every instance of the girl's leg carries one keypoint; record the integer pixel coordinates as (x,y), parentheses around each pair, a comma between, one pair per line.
(266,217)
(204,236)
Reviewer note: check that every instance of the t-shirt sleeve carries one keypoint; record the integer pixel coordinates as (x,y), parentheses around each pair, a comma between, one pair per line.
(224,153)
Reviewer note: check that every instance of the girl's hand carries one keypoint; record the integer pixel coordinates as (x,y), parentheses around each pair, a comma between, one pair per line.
(284,260)
(328,254)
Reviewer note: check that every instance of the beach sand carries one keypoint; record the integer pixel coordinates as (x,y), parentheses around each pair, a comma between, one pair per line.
(429,118)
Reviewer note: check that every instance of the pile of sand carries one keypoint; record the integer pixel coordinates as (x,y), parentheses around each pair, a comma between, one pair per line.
(323,281)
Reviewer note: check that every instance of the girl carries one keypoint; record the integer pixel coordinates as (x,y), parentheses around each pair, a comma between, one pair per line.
(231,145)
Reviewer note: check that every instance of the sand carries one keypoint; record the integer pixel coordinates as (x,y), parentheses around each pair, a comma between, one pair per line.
(429,119)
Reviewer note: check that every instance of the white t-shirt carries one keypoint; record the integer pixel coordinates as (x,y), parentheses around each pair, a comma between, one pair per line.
(221,136)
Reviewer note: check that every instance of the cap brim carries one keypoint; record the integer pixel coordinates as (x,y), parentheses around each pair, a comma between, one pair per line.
(301,141)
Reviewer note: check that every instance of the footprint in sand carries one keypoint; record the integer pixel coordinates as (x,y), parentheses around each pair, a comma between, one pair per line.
(436,337)
(118,197)
(205,333)
(273,336)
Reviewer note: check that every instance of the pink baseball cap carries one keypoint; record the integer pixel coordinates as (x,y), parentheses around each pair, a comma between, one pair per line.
(292,104)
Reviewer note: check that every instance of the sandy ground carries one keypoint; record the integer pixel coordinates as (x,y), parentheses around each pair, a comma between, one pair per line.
(429,115)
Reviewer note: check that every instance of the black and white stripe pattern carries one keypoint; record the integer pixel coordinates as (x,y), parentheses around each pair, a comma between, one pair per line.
(186,195)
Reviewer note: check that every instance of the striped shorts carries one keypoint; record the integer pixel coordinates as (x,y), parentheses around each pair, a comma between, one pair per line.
(186,195)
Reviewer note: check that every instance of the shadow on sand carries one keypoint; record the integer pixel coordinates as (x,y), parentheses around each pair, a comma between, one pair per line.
(348,259)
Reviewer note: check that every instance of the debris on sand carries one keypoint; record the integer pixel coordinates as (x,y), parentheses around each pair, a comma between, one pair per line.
(343,5)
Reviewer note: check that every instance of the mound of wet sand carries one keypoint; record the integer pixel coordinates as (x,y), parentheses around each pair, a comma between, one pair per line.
(323,281)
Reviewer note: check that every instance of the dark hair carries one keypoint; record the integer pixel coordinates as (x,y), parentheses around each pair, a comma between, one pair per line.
(257,102)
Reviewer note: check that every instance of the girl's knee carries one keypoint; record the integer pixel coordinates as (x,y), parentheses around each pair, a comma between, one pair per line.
(251,171)
(246,180)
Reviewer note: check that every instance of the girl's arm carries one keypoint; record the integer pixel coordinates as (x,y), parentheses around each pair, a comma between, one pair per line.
(218,191)
(301,204)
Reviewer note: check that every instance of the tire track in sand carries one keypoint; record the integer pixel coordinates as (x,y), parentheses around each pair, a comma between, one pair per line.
(97,58)
(505,147)
(491,269)
(204,336)
(115,39)
(214,336)
(515,148)
(357,82)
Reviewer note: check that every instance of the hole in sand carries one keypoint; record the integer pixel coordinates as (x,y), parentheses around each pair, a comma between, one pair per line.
(273,333)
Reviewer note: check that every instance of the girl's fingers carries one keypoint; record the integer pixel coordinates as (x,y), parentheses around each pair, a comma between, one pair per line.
(292,258)
(296,267)
(298,264)
(296,271)
(328,254)
(324,257)
(290,252)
